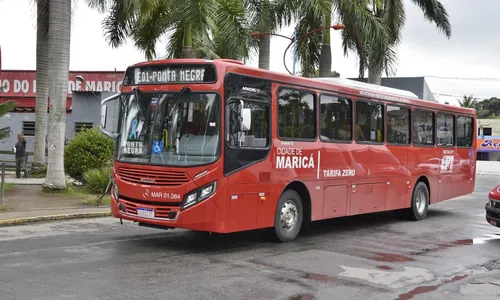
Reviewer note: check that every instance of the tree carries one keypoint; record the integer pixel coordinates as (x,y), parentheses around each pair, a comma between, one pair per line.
(314,50)
(264,17)
(59,38)
(195,28)
(334,74)
(379,57)
(42,76)
(468,101)
(42,84)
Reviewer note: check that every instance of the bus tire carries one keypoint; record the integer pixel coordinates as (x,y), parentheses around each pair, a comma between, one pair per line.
(419,203)
(288,217)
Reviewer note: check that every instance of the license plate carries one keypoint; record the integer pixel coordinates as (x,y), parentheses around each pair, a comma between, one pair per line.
(493,222)
(145,212)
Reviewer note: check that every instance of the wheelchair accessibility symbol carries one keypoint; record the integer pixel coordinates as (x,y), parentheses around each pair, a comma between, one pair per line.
(157,146)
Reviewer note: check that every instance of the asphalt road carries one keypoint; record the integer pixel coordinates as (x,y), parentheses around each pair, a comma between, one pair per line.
(451,255)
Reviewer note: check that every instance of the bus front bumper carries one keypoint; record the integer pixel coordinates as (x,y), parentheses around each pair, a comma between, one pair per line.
(493,212)
(200,217)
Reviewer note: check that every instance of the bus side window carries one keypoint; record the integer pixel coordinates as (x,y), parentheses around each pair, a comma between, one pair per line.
(258,134)
(398,125)
(465,131)
(335,119)
(296,114)
(369,125)
(423,128)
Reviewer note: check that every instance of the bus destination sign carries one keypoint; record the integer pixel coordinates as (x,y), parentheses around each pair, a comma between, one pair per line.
(170,74)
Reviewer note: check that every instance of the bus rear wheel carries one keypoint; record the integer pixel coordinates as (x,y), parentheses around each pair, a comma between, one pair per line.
(288,217)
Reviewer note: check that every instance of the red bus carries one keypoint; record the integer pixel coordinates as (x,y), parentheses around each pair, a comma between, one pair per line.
(218,146)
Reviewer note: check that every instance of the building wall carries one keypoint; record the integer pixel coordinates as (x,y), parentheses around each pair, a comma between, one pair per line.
(85,109)
(494,124)
(486,146)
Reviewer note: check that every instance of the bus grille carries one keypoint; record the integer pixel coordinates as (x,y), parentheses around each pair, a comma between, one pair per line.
(160,212)
(151,177)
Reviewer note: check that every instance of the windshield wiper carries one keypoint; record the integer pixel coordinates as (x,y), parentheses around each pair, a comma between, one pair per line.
(175,100)
(178,97)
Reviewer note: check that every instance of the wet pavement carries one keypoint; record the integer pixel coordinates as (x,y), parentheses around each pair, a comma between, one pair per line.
(453,254)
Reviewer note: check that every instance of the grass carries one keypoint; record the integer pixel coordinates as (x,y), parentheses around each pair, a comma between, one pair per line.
(81,192)
(9,187)
(4,207)
(96,201)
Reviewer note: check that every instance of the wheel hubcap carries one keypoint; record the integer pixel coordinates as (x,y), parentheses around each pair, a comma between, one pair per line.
(289,216)
(421,201)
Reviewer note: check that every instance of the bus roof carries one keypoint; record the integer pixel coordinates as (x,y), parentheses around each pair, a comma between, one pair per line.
(344,85)
(367,86)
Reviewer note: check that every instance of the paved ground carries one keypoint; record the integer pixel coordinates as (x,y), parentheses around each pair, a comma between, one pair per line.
(451,255)
(28,201)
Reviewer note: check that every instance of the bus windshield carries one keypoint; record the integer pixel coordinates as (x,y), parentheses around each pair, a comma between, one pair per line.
(163,129)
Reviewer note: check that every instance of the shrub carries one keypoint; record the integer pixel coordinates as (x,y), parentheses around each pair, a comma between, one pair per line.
(97,180)
(89,149)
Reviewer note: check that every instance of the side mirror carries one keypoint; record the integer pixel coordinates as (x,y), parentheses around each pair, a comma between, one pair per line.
(103,116)
(246,119)
(110,110)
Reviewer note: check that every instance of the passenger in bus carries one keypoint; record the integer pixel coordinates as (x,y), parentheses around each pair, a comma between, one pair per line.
(358,132)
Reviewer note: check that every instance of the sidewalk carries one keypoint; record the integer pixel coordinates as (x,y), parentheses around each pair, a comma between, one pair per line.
(27,203)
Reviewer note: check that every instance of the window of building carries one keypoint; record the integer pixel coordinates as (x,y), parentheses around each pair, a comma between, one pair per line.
(398,125)
(81,125)
(28,128)
(296,114)
(487,131)
(369,122)
(423,128)
(336,118)
(465,131)
(445,130)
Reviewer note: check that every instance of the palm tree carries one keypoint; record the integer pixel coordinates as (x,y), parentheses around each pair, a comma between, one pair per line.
(195,28)
(42,76)
(58,42)
(42,83)
(314,50)
(264,17)
(468,101)
(382,56)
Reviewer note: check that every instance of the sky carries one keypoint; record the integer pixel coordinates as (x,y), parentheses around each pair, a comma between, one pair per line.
(471,52)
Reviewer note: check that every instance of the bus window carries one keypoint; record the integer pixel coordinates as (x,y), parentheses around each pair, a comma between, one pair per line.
(369,122)
(336,118)
(296,115)
(465,131)
(445,130)
(258,134)
(398,125)
(423,128)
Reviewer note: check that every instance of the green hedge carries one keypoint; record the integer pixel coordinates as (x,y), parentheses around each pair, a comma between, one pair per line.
(89,149)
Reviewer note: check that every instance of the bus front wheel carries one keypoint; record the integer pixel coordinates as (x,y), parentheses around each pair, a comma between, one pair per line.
(288,217)
(419,204)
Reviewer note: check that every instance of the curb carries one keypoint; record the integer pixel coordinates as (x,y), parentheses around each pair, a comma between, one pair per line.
(21,221)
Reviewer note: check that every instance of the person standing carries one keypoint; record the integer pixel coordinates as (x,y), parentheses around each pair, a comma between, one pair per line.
(20,150)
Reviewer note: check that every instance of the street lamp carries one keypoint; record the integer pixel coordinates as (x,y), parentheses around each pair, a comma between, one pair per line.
(294,40)
(80,78)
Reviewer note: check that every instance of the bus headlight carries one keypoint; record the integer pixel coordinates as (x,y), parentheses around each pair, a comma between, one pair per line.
(199,195)
(115,191)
